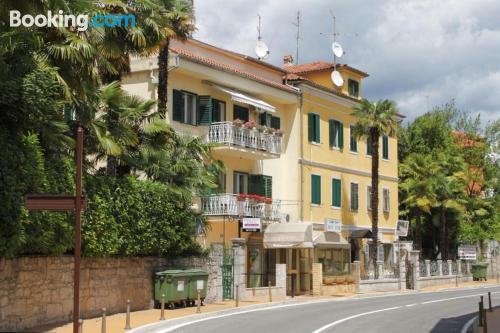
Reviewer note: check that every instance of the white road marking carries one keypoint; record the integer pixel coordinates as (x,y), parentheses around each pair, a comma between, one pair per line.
(321,329)
(410,305)
(453,298)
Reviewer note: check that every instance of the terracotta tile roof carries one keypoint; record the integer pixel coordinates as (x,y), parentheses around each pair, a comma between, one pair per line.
(319,66)
(226,67)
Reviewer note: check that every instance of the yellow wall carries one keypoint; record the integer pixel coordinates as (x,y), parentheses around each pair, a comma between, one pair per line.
(324,78)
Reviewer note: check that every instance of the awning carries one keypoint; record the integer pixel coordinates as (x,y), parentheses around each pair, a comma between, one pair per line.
(288,236)
(323,239)
(245,99)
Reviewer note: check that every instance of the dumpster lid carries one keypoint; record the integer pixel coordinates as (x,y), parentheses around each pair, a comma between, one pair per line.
(180,272)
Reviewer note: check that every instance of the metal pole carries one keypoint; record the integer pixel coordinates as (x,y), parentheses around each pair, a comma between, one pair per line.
(80,326)
(456,280)
(485,319)
(162,314)
(198,305)
(489,301)
(78,210)
(270,293)
(237,296)
(103,323)
(399,264)
(293,285)
(127,318)
(480,315)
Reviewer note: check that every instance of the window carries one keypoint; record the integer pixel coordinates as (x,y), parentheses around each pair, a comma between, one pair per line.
(336,134)
(265,119)
(353,146)
(354,196)
(218,111)
(240,183)
(240,112)
(386,199)
(261,185)
(369,145)
(369,197)
(185,107)
(316,189)
(336,192)
(313,126)
(353,87)
(385,147)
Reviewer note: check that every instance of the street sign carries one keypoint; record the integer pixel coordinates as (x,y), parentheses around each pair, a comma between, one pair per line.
(252,224)
(332,225)
(403,226)
(52,202)
(467,252)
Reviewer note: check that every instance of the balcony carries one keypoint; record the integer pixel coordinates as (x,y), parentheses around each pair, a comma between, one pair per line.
(237,139)
(228,204)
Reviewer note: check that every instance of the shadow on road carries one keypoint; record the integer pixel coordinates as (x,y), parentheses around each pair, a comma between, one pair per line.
(452,324)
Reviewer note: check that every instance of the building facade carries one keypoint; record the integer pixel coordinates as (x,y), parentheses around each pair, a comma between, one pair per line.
(296,182)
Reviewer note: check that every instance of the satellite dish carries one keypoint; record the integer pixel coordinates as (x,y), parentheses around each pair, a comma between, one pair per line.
(337,78)
(261,49)
(337,49)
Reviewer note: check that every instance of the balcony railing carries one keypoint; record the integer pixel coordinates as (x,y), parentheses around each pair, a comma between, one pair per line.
(228,204)
(227,133)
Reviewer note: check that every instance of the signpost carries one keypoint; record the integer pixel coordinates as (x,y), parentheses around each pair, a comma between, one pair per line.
(401,231)
(68,203)
(467,252)
(252,224)
(332,225)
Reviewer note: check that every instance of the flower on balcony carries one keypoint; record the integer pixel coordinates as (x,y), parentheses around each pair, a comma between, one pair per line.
(260,128)
(238,123)
(278,132)
(269,130)
(242,197)
(251,124)
(269,200)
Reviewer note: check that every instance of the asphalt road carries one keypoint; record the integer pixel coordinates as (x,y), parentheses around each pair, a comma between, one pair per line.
(445,311)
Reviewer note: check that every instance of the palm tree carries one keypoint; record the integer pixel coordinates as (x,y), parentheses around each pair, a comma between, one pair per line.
(417,189)
(179,18)
(373,121)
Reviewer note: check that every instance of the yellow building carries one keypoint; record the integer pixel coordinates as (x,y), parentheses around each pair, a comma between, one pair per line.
(292,170)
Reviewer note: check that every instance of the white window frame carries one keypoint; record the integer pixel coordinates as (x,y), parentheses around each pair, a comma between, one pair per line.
(245,182)
(193,111)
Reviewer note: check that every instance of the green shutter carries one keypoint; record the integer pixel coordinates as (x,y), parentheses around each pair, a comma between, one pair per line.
(368,145)
(353,141)
(336,193)
(385,147)
(255,184)
(178,105)
(316,129)
(268,186)
(262,119)
(341,134)
(354,196)
(316,189)
(310,126)
(332,131)
(205,110)
(275,122)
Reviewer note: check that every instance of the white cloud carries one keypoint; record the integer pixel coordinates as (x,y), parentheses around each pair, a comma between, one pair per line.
(415,50)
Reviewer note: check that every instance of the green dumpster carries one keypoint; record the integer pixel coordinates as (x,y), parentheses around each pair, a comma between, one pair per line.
(197,281)
(479,271)
(174,285)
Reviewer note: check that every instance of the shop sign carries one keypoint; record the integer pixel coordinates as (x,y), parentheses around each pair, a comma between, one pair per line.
(252,224)
(332,225)
(467,252)
(403,227)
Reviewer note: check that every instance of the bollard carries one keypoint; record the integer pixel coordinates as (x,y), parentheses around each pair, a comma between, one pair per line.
(237,296)
(485,322)
(480,314)
(198,306)
(103,323)
(270,293)
(456,280)
(162,314)
(80,326)
(127,318)
(253,291)
(489,300)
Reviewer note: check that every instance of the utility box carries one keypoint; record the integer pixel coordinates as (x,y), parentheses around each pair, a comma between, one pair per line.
(479,271)
(198,280)
(180,287)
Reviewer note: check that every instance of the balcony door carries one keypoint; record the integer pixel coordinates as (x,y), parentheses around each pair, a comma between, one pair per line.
(240,183)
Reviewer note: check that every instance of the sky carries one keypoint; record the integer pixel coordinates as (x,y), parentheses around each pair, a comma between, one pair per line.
(419,53)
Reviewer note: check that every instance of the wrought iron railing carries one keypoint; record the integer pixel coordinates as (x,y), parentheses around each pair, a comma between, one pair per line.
(446,268)
(434,268)
(454,268)
(464,268)
(423,269)
(227,133)
(228,204)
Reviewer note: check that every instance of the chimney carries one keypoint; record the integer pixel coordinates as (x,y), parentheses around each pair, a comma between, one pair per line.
(288,60)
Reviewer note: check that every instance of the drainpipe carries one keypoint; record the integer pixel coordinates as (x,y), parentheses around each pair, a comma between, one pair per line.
(301,122)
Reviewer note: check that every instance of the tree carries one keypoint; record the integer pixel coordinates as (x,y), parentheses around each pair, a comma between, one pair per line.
(179,17)
(375,120)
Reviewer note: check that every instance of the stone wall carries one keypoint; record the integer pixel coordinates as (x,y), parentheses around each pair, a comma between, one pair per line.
(39,290)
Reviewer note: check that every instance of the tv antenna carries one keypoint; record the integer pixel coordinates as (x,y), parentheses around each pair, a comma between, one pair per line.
(338,52)
(261,48)
(297,37)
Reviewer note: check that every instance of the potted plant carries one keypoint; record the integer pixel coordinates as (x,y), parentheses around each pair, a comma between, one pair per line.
(250,124)
(278,132)
(238,123)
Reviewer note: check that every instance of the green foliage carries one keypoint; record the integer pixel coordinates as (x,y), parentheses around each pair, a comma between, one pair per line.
(130,217)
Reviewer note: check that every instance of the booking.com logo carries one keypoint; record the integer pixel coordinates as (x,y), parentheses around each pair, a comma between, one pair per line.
(80,22)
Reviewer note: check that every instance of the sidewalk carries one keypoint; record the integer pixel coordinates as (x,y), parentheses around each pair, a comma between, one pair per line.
(461,285)
(493,321)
